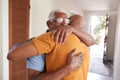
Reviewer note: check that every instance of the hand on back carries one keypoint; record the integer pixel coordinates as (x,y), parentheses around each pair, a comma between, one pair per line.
(75,61)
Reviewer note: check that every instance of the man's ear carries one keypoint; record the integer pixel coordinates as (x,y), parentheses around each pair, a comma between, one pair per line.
(48,23)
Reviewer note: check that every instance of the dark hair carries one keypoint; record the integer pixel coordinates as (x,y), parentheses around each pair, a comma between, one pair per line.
(47,30)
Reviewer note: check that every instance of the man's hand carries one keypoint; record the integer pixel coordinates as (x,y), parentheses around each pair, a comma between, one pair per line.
(60,34)
(75,61)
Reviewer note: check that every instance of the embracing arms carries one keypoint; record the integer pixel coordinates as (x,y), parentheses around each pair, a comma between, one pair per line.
(73,63)
(21,51)
(76,25)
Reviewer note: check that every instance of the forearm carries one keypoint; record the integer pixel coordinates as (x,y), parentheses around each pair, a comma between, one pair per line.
(22,52)
(19,44)
(77,24)
(85,37)
(73,62)
(57,75)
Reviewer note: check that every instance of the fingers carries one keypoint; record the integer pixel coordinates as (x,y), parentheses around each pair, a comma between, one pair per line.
(80,54)
(61,37)
(57,36)
(53,33)
(80,58)
(73,52)
(64,38)
(75,61)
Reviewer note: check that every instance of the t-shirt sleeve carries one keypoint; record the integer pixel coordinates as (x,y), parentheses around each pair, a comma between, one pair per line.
(44,43)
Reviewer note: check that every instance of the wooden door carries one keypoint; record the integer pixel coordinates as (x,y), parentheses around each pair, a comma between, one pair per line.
(18,32)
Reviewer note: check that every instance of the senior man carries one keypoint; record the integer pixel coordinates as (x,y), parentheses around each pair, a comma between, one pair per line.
(54,52)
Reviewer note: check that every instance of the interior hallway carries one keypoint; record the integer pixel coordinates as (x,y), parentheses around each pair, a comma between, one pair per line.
(98,70)
(94,76)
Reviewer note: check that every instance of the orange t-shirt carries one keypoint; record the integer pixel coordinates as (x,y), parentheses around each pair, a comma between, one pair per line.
(56,54)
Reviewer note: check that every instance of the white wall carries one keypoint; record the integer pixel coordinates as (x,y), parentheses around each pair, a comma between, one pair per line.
(87,16)
(67,5)
(117,50)
(70,6)
(4,75)
(1,58)
(39,13)
(38,16)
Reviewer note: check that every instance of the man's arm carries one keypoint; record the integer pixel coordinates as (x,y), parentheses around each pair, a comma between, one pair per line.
(78,24)
(84,37)
(73,63)
(22,51)
(75,26)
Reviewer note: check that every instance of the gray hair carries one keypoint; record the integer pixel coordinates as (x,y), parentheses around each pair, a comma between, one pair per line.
(52,16)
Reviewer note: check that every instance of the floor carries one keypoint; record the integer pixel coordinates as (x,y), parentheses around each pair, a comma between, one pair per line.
(98,70)
(97,66)
(94,76)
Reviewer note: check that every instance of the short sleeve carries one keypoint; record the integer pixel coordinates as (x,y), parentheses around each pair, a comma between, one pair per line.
(36,63)
(43,43)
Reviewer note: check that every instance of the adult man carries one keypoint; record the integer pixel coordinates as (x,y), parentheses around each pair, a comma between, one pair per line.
(76,20)
(48,46)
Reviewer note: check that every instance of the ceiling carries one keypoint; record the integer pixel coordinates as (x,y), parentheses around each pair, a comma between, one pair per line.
(93,5)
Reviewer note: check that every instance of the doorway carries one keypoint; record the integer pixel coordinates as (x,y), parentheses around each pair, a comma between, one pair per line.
(98,24)
(98,32)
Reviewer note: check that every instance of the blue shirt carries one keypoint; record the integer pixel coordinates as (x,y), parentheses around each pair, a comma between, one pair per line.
(36,62)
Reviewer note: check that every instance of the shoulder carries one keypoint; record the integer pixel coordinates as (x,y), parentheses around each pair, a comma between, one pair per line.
(45,36)
(73,36)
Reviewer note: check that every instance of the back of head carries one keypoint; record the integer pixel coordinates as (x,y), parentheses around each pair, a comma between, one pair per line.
(76,17)
(52,16)
(77,21)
